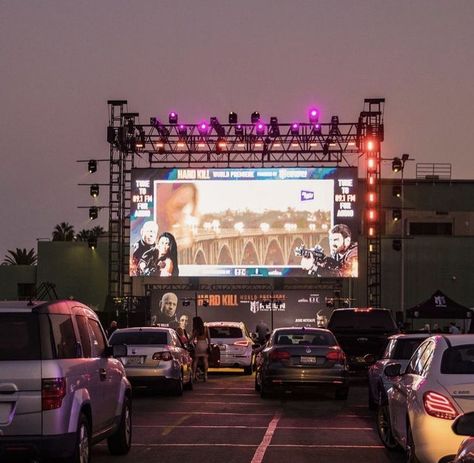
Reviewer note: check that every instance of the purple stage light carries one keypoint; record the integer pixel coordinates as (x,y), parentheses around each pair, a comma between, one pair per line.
(202,127)
(295,128)
(173,117)
(182,130)
(313,116)
(260,128)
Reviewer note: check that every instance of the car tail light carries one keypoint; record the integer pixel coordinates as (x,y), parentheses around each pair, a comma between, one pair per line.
(439,406)
(53,391)
(166,356)
(336,355)
(279,355)
(241,343)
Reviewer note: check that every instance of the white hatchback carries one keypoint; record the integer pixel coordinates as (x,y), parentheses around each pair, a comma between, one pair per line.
(437,386)
(235,344)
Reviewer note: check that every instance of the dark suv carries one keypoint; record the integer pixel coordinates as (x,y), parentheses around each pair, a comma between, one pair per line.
(61,387)
(362,331)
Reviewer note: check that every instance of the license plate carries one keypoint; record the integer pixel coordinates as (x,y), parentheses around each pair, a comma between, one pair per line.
(135,360)
(308,360)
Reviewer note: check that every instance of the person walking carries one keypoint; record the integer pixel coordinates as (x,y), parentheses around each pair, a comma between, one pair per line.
(202,341)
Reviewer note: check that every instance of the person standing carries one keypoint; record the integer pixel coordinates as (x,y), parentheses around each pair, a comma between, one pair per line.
(112,327)
(453,329)
(202,340)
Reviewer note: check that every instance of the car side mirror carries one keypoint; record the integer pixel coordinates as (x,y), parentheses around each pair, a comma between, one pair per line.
(463,425)
(392,370)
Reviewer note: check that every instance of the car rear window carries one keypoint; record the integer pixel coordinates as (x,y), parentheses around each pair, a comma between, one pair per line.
(19,337)
(361,320)
(305,338)
(139,337)
(225,332)
(458,360)
(404,348)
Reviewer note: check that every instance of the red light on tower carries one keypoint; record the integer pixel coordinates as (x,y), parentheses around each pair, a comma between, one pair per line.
(371,144)
(372,215)
(371,164)
(371,231)
(371,197)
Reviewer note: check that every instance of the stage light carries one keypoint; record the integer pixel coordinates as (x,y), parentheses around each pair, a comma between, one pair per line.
(93,213)
(173,117)
(92,166)
(260,129)
(396,215)
(397,191)
(397,165)
(92,242)
(182,130)
(220,145)
(160,128)
(255,117)
(94,190)
(295,129)
(215,124)
(313,116)
(203,128)
(140,143)
(239,130)
(274,128)
(334,130)
(233,118)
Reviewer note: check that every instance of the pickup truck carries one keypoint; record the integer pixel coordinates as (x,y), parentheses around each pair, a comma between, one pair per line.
(362,331)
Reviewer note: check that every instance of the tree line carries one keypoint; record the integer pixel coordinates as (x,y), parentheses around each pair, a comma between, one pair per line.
(62,232)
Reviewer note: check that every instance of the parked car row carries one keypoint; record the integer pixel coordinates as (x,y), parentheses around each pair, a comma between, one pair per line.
(425,405)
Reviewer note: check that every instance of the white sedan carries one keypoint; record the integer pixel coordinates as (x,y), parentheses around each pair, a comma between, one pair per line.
(437,386)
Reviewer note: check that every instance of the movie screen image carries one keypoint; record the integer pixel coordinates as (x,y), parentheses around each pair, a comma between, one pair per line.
(250,222)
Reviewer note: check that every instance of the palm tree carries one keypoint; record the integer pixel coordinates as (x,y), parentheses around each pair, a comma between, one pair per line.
(95,232)
(83,235)
(21,257)
(98,231)
(63,232)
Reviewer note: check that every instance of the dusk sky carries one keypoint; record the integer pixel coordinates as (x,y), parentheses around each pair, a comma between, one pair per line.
(61,60)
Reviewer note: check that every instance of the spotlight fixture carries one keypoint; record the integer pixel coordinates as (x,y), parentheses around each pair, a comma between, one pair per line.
(255,117)
(233,118)
(334,130)
(274,128)
(140,141)
(182,130)
(173,117)
(160,128)
(396,215)
(94,190)
(239,130)
(317,129)
(313,116)
(93,213)
(397,191)
(295,129)
(397,165)
(220,145)
(92,242)
(203,128)
(215,124)
(260,129)
(92,166)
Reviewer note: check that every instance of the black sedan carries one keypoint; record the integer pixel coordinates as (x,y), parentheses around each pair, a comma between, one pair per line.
(297,358)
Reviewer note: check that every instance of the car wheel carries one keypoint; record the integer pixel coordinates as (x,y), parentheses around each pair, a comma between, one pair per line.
(384,428)
(342,393)
(264,390)
(411,452)
(190,383)
(120,442)
(248,370)
(178,385)
(372,403)
(82,449)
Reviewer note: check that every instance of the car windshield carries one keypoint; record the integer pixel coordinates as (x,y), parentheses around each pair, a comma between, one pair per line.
(304,338)
(139,338)
(404,348)
(361,320)
(19,337)
(225,332)
(458,360)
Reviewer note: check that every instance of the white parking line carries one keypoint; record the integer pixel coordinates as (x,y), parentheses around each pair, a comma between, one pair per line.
(302,446)
(217,426)
(267,438)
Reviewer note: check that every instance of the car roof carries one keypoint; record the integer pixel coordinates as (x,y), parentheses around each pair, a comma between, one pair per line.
(20,304)
(459,339)
(362,309)
(411,336)
(234,324)
(146,329)
(302,328)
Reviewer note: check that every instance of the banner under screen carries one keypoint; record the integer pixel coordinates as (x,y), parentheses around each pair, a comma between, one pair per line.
(258,222)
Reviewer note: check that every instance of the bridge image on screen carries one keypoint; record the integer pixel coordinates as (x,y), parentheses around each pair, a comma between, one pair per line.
(236,222)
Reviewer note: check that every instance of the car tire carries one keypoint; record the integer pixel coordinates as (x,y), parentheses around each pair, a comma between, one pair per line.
(411,452)
(342,393)
(248,370)
(82,447)
(178,386)
(384,428)
(120,442)
(264,390)
(257,386)
(190,384)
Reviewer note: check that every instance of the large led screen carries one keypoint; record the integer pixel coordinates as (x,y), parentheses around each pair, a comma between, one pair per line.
(252,222)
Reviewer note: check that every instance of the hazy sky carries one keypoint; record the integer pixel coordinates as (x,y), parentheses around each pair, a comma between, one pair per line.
(61,60)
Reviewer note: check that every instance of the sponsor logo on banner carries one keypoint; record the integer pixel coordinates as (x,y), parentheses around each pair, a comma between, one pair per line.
(307,195)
